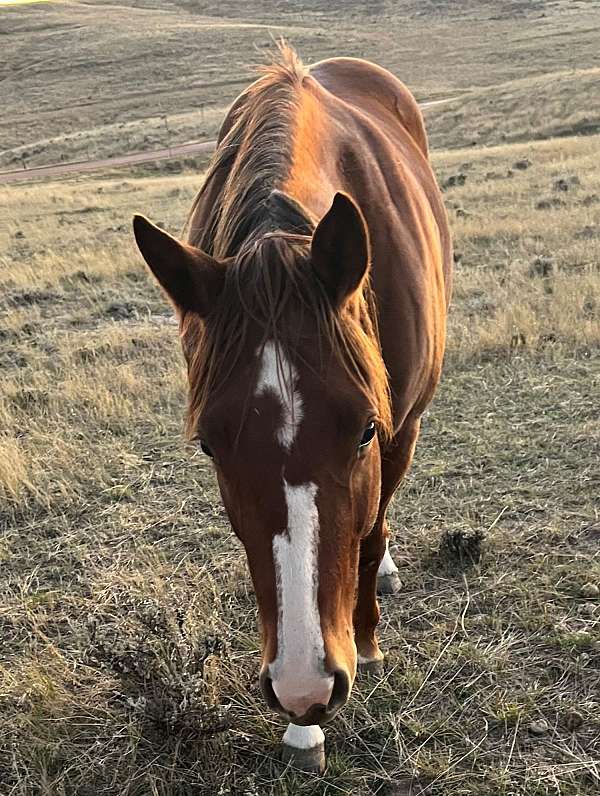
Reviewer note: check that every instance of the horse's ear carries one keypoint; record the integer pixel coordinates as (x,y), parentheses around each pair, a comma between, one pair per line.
(192,279)
(340,249)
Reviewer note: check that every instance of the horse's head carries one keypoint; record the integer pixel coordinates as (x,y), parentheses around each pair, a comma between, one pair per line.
(288,396)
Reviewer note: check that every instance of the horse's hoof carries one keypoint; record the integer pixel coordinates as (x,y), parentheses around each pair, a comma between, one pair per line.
(373,668)
(311,760)
(389,584)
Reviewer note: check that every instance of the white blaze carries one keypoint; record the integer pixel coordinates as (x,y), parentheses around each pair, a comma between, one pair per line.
(300,648)
(387,566)
(279,377)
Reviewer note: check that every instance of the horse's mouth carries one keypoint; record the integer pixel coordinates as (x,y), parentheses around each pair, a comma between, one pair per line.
(318,713)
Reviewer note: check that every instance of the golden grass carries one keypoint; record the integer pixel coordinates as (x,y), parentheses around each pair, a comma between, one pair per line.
(523,271)
(129,648)
(558,103)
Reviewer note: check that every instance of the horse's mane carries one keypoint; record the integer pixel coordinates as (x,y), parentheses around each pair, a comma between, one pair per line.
(253,156)
(240,216)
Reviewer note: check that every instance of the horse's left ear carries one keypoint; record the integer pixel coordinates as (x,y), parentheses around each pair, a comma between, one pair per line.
(340,249)
(191,279)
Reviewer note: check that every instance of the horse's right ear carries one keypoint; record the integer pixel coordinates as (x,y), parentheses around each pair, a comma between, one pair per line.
(340,249)
(191,279)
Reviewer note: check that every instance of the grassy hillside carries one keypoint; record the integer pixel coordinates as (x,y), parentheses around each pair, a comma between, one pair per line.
(551,105)
(128,646)
(97,78)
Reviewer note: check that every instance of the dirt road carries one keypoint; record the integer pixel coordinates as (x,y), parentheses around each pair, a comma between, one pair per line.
(58,169)
(179,150)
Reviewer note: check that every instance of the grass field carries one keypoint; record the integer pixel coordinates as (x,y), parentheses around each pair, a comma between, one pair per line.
(129,654)
(97,78)
(128,639)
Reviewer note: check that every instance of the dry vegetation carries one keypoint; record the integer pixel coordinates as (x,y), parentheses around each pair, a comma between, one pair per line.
(551,105)
(128,641)
(129,654)
(92,79)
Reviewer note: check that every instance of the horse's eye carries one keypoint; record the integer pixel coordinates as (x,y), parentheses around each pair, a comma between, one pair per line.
(368,434)
(205,449)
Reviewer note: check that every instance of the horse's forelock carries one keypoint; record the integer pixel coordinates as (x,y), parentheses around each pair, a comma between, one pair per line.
(269,285)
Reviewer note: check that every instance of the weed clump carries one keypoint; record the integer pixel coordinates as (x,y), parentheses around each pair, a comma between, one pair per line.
(168,670)
(461,548)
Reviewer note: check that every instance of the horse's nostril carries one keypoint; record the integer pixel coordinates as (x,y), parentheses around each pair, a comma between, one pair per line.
(266,686)
(340,692)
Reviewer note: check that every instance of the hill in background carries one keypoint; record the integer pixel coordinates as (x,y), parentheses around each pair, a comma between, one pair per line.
(89,80)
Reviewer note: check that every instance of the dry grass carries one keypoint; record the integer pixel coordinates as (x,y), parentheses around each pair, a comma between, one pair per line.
(128,662)
(527,245)
(558,103)
(92,79)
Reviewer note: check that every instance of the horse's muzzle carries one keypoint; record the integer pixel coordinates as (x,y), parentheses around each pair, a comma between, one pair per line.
(315,714)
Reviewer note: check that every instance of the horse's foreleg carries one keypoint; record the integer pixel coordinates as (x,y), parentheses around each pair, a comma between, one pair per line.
(376,569)
(366,611)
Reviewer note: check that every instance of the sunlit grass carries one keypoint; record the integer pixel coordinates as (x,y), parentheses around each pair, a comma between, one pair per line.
(129,643)
(21,2)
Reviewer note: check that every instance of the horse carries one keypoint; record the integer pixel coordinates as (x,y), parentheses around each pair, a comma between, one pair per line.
(312,288)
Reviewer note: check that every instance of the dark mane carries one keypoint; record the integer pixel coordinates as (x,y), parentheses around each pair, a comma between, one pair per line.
(241,216)
(252,158)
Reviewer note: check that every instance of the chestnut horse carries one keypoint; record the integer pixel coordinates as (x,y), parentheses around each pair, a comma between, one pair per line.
(312,295)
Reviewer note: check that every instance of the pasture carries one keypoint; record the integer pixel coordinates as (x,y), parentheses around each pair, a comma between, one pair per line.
(128,639)
(93,79)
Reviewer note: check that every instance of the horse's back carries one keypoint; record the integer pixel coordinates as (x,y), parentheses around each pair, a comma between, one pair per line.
(387,125)
(372,89)
(383,162)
